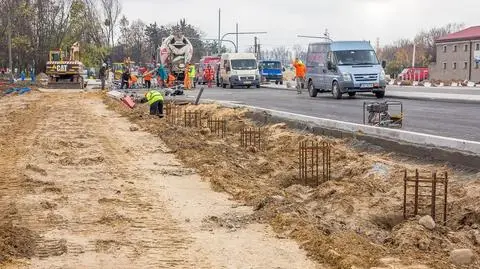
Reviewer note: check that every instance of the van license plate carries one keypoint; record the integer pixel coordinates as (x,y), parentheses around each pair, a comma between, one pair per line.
(247,82)
(370,85)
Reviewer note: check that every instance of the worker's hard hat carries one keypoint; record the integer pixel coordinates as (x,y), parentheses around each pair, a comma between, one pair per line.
(158,65)
(104,64)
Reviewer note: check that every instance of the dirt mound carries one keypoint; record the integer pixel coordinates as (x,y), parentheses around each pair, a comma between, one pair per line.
(355,219)
(16,242)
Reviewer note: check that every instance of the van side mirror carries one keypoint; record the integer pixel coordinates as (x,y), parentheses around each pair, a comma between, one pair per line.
(330,65)
(384,64)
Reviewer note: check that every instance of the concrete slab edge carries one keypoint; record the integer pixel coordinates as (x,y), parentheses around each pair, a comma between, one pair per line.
(399,96)
(429,147)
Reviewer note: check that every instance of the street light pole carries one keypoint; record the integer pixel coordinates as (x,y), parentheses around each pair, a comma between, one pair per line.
(219,29)
(237,38)
(240,33)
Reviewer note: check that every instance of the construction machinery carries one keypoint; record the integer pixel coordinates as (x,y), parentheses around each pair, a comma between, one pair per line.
(175,53)
(377,114)
(118,68)
(65,71)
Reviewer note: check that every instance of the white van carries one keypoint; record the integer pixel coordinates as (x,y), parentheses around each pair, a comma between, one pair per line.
(239,69)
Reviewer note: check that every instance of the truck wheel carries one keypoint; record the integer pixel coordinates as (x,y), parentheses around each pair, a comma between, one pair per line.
(276,82)
(281,82)
(248,87)
(380,95)
(223,84)
(337,94)
(311,89)
(231,84)
(352,94)
(258,86)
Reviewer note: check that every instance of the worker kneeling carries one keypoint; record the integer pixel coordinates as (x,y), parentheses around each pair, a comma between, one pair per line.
(155,100)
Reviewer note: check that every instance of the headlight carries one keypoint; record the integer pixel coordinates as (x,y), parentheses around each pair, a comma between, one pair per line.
(347,77)
(382,75)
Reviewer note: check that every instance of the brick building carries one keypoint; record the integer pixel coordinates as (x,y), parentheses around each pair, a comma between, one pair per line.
(458,56)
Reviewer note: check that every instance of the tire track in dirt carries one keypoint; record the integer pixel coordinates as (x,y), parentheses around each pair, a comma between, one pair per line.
(91,206)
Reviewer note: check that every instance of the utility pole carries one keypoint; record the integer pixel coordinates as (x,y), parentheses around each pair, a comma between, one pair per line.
(236,41)
(10,63)
(255,47)
(219,29)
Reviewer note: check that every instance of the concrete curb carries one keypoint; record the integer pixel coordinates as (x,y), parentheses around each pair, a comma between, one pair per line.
(429,147)
(398,95)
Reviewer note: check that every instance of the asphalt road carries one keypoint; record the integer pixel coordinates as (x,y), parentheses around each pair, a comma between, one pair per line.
(455,120)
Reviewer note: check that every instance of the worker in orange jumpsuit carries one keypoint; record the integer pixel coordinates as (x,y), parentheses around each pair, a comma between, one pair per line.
(186,82)
(133,81)
(208,75)
(300,72)
(147,78)
(171,80)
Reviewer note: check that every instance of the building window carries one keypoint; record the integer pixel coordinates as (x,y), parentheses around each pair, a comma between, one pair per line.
(478,47)
(465,47)
(454,66)
(444,66)
(465,65)
(454,48)
(445,48)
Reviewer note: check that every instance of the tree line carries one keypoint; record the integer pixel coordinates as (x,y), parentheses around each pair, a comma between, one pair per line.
(399,55)
(103,32)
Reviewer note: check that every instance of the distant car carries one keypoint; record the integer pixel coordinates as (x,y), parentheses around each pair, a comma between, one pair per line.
(271,71)
(414,74)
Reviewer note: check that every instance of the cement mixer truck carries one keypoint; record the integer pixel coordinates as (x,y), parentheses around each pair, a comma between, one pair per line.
(174,53)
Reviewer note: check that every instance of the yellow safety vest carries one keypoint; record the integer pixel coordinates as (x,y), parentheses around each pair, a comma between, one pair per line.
(154,96)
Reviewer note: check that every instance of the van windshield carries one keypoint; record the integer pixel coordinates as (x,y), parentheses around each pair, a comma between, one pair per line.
(271,65)
(244,64)
(356,57)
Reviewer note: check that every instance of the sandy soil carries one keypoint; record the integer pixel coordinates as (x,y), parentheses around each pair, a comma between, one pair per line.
(353,221)
(81,187)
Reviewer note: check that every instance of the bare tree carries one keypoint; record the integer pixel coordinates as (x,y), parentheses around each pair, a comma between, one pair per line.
(111,13)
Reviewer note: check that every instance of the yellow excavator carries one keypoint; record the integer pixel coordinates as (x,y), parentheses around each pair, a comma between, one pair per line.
(65,71)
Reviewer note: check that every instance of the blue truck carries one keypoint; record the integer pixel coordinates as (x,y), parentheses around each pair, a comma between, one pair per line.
(271,71)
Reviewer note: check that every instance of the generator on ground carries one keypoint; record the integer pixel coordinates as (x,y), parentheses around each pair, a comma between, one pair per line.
(378,114)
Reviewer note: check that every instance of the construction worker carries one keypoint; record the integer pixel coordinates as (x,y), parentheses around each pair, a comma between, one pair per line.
(162,75)
(102,74)
(300,71)
(208,75)
(133,81)
(125,78)
(171,80)
(186,82)
(191,73)
(155,100)
(147,78)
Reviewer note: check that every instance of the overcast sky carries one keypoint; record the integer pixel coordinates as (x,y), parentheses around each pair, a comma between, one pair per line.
(388,20)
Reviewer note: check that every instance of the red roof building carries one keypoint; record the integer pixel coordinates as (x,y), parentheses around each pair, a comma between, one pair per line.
(458,56)
(471,33)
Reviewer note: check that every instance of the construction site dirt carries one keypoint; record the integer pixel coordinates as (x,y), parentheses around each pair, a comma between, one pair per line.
(88,183)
